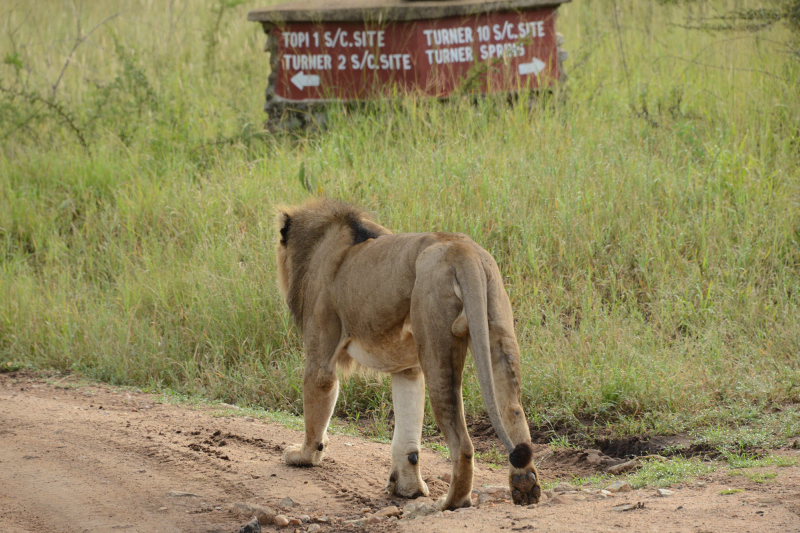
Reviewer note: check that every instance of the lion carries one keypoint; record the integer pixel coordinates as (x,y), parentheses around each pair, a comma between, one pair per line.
(408,304)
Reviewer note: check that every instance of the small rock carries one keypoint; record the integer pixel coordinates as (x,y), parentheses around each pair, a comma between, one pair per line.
(628,507)
(361,522)
(549,493)
(664,492)
(322,519)
(392,510)
(366,510)
(492,493)
(415,509)
(314,527)
(295,522)
(563,487)
(287,502)
(304,518)
(181,494)
(701,483)
(605,493)
(768,501)
(619,486)
(372,519)
(410,507)
(426,509)
(265,515)
(251,527)
(280,520)
(494,489)
(623,467)
(557,500)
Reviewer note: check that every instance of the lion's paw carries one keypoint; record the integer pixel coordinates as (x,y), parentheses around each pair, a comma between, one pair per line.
(443,505)
(440,503)
(411,489)
(525,489)
(295,455)
(523,477)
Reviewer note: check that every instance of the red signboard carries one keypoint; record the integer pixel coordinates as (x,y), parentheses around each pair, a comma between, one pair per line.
(357,60)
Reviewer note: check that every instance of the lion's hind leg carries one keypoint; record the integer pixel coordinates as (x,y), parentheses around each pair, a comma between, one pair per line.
(442,356)
(523,478)
(444,390)
(408,398)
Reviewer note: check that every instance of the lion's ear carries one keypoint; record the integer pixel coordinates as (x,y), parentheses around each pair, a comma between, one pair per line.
(284,223)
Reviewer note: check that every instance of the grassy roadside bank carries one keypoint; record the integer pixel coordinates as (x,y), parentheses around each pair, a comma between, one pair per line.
(647,220)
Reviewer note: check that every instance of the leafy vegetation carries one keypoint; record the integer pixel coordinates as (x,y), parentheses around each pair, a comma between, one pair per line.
(747,460)
(730,492)
(645,216)
(665,473)
(757,477)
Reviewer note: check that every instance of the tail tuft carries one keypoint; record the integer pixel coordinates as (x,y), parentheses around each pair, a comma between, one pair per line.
(521,455)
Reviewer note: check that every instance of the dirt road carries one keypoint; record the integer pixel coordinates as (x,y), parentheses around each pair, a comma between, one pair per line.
(94,458)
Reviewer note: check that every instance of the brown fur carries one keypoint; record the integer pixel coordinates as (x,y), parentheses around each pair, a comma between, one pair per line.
(409,305)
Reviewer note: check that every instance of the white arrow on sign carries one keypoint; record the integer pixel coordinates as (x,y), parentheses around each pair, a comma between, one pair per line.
(534,67)
(301,81)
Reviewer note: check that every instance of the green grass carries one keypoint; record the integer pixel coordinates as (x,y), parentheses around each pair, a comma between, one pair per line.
(665,473)
(748,427)
(14,366)
(745,460)
(598,481)
(441,449)
(562,441)
(757,477)
(645,218)
(494,458)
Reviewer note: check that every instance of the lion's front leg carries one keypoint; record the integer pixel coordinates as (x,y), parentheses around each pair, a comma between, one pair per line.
(408,397)
(320,389)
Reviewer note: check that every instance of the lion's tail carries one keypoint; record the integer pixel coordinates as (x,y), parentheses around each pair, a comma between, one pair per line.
(472,282)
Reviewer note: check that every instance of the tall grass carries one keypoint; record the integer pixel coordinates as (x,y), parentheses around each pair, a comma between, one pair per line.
(646,216)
